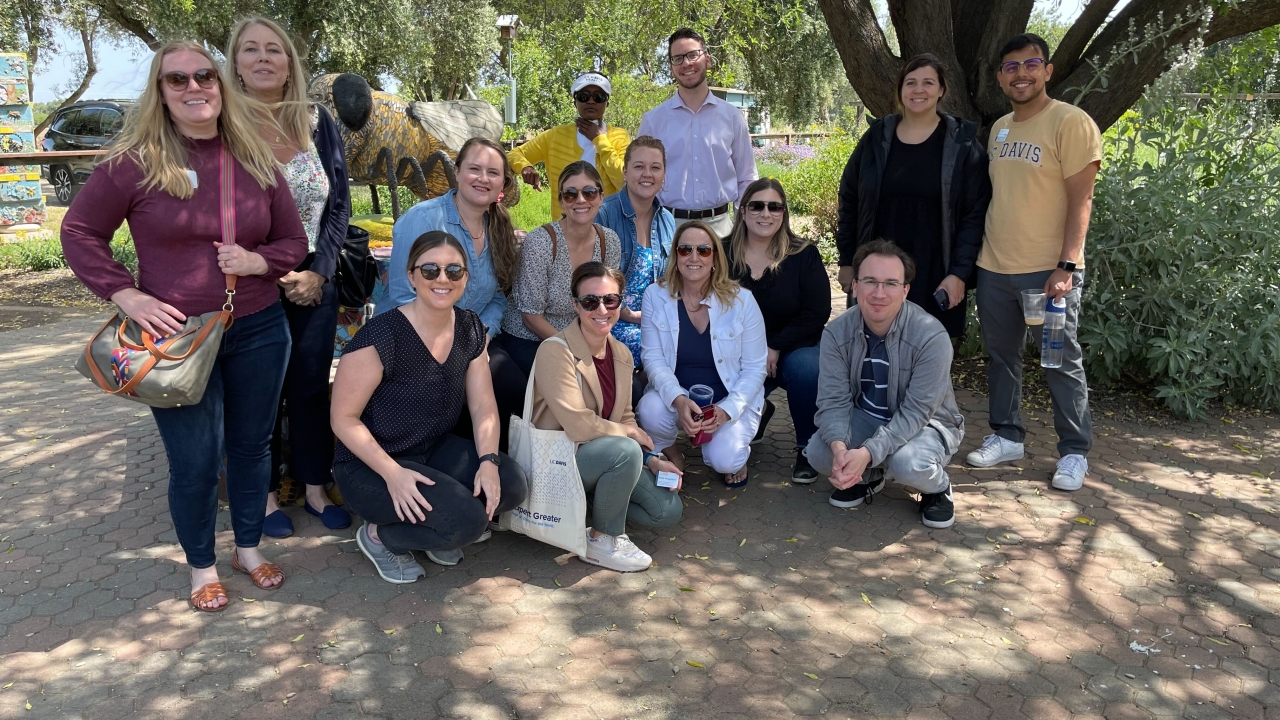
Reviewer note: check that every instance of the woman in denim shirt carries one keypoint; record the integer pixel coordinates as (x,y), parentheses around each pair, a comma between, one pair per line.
(645,229)
(474,215)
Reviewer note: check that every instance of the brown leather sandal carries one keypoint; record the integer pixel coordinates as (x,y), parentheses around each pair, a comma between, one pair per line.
(264,572)
(206,594)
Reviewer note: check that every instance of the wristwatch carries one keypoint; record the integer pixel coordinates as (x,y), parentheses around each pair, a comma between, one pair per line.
(1067,265)
(491,457)
(649,456)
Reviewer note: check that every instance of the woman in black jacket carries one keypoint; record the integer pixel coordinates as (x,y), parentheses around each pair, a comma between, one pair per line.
(919,179)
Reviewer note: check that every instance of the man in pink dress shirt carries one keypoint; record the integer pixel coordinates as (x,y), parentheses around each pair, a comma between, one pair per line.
(709,158)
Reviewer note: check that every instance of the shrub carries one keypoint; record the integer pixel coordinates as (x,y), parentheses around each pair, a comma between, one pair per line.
(1184,258)
(784,155)
(813,187)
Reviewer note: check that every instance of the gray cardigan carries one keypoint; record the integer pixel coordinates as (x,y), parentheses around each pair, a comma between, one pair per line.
(920,390)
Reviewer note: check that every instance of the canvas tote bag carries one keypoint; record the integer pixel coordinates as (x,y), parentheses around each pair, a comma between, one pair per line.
(555,511)
(165,372)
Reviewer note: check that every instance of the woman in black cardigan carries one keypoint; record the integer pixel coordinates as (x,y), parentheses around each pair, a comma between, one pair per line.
(786,275)
(919,179)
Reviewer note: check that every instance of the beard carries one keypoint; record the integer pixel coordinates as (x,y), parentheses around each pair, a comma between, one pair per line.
(689,84)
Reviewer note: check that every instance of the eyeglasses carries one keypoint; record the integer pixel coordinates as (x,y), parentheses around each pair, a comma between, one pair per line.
(758,206)
(871,284)
(599,96)
(589,193)
(178,80)
(691,56)
(591,302)
(452,271)
(704,251)
(1031,64)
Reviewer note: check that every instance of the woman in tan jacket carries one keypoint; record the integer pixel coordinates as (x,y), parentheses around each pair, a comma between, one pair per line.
(582,385)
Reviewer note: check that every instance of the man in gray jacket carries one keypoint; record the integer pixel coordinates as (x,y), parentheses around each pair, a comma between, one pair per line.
(886,408)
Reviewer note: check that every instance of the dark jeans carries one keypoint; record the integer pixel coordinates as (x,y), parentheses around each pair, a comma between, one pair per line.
(236,414)
(456,518)
(798,375)
(305,396)
(508,390)
(521,351)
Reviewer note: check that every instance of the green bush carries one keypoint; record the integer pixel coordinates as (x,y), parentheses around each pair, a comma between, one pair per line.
(813,187)
(1184,258)
(46,253)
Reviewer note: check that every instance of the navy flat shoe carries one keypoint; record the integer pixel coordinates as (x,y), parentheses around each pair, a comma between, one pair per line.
(333,516)
(277,525)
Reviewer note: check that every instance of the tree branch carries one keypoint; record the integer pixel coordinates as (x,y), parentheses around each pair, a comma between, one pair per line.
(88,28)
(864,51)
(1081,32)
(112,10)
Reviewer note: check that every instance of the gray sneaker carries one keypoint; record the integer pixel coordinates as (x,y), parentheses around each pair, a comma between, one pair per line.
(448,558)
(398,569)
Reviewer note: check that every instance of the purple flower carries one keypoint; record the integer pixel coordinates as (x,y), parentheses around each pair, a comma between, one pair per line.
(785,155)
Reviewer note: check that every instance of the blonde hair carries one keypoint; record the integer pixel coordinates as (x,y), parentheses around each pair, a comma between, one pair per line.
(151,140)
(722,284)
(294,109)
(784,242)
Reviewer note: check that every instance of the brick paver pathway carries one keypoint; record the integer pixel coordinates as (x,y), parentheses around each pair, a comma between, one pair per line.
(1150,593)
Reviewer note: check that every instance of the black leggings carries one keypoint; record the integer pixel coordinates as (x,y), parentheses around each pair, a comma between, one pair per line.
(305,395)
(456,517)
(508,390)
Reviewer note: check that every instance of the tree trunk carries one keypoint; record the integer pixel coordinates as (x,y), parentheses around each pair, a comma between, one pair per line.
(88,28)
(112,10)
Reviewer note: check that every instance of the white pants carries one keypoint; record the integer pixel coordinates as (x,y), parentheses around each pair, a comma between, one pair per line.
(729,448)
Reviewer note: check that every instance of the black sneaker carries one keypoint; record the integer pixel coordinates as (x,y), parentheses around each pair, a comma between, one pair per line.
(938,510)
(856,495)
(802,473)
(765,416)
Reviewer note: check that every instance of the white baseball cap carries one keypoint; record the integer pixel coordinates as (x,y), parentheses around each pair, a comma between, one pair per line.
(591,78)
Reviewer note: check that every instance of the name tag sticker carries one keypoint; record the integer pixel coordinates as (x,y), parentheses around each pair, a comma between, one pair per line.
(195,181)
(1004,133)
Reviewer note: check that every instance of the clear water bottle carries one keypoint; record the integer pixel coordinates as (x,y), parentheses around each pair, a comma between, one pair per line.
(1054,333)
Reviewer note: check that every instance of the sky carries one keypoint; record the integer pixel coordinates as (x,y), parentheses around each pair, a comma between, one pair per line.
(122,69)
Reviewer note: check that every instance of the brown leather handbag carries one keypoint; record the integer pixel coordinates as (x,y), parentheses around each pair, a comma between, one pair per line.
(166,372)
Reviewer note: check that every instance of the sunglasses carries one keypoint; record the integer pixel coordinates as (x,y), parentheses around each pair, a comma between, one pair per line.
(589,193)
(452,271)
(591,302)
(758,206)
(178,80)
(583,96)
(704,251)
(1031,64)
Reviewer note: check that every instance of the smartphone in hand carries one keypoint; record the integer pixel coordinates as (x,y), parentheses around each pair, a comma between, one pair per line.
(940,297)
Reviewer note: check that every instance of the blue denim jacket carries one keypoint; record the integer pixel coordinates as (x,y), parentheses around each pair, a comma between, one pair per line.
(617,214)
(483,296)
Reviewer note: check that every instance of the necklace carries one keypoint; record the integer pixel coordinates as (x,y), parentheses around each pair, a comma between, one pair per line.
(696,308)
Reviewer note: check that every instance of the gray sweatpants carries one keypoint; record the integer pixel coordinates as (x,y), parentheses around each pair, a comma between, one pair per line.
(1004,330)
(918,464)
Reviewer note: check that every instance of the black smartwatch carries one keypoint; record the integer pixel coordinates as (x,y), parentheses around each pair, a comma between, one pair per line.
(491,457)
(1067,265)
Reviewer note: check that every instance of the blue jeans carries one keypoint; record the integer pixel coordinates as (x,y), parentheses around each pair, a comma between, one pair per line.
(798,375)
(236,414)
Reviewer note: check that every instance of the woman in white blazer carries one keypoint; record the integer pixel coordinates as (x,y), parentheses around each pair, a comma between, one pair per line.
(699,327)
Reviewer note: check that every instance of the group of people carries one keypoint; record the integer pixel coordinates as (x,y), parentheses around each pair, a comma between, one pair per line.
(668,293)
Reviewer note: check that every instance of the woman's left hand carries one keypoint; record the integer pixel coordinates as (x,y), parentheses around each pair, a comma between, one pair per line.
(955,290)
(303,288)
(718,419)
(487,481)
(661,464)
(771,364)
(235,260)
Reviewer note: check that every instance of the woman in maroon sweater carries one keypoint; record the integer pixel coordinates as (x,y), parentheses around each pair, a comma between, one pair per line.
(163,176)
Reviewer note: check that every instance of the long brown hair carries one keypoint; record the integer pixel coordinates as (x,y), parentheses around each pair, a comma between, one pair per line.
(152,141)
(783,243)
(722,284)
(502,233)
(294,108)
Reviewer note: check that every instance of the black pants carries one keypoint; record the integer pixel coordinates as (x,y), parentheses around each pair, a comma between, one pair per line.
(508,390)
(305,396)
(456,518)
(521,351)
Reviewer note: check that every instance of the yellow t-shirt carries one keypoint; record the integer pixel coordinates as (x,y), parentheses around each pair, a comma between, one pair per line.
(1030,160)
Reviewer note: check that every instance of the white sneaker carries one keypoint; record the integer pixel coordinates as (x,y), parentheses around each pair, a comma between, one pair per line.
(616,553)
(1070,473)
(994,451)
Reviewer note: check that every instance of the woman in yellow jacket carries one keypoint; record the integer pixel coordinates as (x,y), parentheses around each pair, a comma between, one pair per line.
(587,138)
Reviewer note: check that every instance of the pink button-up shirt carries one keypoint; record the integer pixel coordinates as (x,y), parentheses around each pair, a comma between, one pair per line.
(709,158)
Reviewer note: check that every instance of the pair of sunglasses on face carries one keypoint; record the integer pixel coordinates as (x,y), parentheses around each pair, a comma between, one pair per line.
(704,251)
(177,80)
(758,206)
(588,193)
(452,271)
(598,96)
(591,302)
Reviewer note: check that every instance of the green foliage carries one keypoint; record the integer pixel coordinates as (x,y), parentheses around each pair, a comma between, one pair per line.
(1184,258)
(812,187)
(448,44)
(534,209)
(46,253)
(362,203)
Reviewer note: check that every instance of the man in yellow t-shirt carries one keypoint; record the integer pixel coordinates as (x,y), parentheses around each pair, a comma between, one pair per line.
(1044,158)
(586,138)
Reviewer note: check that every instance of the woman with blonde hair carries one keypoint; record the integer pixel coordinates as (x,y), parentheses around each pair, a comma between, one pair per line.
(700,328)
(165,176)
(786,275)
(305,141)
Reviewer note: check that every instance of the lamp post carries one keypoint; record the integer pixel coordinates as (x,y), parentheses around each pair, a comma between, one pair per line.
(507,31)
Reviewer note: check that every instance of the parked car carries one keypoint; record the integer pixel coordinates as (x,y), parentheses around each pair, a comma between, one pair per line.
(87,125)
